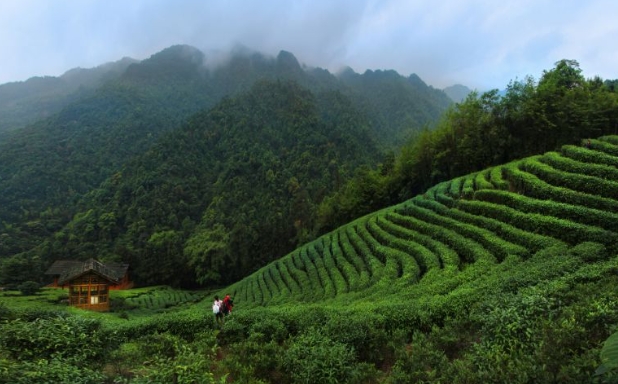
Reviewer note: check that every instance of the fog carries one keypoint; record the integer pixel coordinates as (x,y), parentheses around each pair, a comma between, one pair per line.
(481,44)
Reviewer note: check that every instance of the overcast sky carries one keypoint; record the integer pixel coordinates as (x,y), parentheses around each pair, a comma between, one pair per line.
(479,43)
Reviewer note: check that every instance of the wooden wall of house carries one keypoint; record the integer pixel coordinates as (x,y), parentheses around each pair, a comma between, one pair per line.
(89,291)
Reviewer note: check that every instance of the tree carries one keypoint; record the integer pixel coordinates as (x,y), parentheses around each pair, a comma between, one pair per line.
(29,288)
(206,253)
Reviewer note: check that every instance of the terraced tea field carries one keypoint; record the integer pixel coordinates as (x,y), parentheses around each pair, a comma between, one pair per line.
(157,298)
(510,211)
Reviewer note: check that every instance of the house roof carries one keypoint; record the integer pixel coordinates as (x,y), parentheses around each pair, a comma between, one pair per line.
(70,269)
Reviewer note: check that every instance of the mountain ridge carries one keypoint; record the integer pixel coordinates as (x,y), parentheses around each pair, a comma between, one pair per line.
(47,168)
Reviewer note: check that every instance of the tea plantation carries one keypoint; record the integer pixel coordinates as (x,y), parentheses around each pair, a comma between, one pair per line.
(508,275)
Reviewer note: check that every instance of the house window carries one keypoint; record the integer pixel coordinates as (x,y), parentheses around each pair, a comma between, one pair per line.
(94,300)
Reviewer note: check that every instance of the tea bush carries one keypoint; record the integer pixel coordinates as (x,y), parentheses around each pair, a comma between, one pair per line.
(315,358)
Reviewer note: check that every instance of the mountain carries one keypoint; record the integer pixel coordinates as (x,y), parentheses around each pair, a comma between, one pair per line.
(48,166)
(232,189)
(23,103)
(398,106)
(457,92)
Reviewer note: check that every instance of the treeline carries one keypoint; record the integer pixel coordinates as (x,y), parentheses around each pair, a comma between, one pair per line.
(487,129)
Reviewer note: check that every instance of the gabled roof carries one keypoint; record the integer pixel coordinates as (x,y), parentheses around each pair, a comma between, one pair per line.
(71,269)
(61,266)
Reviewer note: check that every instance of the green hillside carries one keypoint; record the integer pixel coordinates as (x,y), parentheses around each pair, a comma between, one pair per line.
(510,212)
(507,275)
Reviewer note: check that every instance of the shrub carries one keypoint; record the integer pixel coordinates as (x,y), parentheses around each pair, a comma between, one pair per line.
(29,288)
(315,358)
(71,337)
(5,312)
(48,371)
(270,328)
(589,251)
(362,331)
(181,362)
(420,362)
(253,360)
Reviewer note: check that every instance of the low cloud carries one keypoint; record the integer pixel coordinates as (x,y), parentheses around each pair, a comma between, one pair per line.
(482,43)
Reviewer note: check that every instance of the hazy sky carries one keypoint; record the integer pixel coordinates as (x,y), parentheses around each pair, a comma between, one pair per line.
(479,43)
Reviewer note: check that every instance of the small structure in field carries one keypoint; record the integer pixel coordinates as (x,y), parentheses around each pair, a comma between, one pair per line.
(89,282)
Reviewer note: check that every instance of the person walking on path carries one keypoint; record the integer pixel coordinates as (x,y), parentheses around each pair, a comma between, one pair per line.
(228,304)
(217,310)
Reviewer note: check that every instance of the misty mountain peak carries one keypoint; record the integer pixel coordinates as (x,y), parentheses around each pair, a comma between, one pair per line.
(457,92)
(416,80)
(286,60)
(177,61)
(179,52)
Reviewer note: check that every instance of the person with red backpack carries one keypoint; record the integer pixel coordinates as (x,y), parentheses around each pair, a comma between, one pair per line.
(228,304)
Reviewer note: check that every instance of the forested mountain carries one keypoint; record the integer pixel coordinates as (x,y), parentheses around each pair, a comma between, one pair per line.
(393,101)
(232,189)
(48,167)
(23,103)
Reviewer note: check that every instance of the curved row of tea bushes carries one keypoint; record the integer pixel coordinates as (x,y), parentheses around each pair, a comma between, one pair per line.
(496,177)
(585,155)
(350,254)
(448,257)
(523,242)
(575,213)
(481,180)
(559,162)
(492,232)
(348,271)
(423,258)
(468,250)
(574,181)
(612,139)
(530,185)
(604,144)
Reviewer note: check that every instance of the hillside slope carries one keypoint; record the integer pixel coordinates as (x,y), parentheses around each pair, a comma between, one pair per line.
(551,202)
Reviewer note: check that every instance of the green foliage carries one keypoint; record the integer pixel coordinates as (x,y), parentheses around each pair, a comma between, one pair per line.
(44,371)
(29,288)
(255,361)
(179,361)
(533,117)
(315,358)
(68,337)
(502,275)
(154,298)
(422,361)
(609,355)
(18,269)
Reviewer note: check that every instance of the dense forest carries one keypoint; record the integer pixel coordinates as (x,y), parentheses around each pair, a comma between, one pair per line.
(52,171)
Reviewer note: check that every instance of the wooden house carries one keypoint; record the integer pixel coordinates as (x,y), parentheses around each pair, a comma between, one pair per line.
(89,282)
